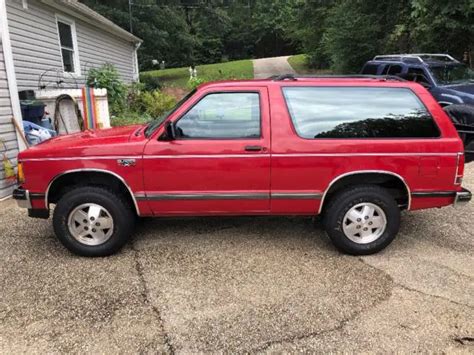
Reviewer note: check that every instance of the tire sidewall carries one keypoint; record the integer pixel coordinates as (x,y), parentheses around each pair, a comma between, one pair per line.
(120,215)
(335,219)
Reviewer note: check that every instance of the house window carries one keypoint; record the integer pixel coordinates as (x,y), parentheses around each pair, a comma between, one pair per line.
(68,43)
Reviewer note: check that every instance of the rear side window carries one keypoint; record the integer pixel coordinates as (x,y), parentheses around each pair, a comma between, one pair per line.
(394,70)
(370,69)
(358,112)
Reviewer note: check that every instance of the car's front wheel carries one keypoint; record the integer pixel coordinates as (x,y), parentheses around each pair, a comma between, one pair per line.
(93,221)
(362,220)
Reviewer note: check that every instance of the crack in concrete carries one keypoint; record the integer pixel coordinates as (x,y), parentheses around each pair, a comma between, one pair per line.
(292,339)
(338,327)
(146,299)
(407,288)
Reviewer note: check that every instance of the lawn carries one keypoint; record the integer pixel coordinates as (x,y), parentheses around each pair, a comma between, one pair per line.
(179,77)
(300,64)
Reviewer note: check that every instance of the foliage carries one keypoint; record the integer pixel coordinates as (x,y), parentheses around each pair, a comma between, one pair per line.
(195,82)
(152,103)
(340,34)
(179,77)
(183,34)
(107,77)
(343,34)
(151,82)
(350,37)
(129,117)
(302,65)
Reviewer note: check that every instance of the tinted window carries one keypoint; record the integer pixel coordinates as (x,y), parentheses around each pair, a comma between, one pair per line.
(417,75)
(223,115)
(358,112)
(395,70)
(370,69)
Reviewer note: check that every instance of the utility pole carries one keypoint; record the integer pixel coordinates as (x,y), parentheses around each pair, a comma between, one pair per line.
(130,13)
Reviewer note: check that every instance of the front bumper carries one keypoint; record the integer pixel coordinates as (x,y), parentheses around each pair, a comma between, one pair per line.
(22,198)
(463,197)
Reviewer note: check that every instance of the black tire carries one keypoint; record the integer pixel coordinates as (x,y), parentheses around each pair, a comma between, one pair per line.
(120,211)
(464,114)
(345,200)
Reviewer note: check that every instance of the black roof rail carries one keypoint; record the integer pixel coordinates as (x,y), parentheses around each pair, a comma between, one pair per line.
(294,77)
(283,77)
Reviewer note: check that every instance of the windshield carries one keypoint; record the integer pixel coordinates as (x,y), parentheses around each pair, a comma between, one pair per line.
(452,74)
(153,125)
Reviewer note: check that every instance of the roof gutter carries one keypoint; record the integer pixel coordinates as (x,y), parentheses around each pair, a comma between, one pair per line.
(80,11)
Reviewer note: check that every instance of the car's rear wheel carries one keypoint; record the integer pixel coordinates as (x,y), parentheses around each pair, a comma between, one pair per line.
(362,220)
(93,221)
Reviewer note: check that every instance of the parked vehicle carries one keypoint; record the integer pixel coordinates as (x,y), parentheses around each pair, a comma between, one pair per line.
(355,150)
(448,80)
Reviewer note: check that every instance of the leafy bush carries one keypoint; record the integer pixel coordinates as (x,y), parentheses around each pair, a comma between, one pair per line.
(195,82)
(129,117)
(153,103)
(150,82)
(107,77)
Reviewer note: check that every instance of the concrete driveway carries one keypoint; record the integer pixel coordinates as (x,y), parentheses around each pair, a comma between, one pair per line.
(239,285)
(266,67)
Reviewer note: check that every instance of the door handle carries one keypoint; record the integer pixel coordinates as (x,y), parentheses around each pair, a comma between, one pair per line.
(253,148)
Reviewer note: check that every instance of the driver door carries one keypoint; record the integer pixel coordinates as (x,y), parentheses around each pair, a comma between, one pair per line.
(218,161)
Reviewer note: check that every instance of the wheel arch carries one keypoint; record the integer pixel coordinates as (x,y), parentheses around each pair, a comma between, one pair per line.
(54,185)
(364,177)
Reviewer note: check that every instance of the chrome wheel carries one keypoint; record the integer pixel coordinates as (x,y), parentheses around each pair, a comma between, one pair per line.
(90,224)
(364,223)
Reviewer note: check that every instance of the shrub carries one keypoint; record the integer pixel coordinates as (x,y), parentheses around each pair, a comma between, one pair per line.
(128,117)
(107,77)
(150,82)
(195,82)
(153,103)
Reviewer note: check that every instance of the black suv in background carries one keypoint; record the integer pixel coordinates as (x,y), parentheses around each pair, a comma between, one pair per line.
(448,80)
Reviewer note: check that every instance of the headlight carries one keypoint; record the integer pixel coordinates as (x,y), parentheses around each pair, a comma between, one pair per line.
(20,176)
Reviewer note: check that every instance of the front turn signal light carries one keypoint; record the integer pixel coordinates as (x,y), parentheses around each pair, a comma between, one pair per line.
(20,176)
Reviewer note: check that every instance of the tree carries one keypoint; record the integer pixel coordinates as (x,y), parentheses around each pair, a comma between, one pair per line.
(351,36)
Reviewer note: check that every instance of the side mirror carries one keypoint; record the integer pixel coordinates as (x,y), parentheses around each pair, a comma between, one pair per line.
(169,134)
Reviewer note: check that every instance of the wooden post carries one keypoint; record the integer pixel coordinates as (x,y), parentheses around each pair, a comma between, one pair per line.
(20,132)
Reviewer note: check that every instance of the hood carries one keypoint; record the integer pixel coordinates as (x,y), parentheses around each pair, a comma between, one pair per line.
(463,91)
(104,142)
(464,88)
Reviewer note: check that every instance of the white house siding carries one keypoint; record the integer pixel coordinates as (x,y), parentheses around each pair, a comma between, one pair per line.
(36,49)
(7,130)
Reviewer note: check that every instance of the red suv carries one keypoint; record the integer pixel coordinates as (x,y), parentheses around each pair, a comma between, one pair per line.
(355,150)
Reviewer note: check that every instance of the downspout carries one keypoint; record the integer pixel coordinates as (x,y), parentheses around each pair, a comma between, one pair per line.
(10,71)
(137,69)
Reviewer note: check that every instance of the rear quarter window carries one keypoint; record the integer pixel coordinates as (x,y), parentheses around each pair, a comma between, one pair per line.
(370,69)
(358,112)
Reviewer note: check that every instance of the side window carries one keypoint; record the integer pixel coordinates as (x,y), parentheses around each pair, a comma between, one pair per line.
(68,44)
(222,116)
(358,112)
(395,70)
(370,69)
(417,75)
(385,69)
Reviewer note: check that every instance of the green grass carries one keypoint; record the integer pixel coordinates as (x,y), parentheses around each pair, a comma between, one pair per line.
(300,64)
(179,77)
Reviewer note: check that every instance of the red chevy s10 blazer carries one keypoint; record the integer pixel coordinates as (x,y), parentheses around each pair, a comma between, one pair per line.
(355,150)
